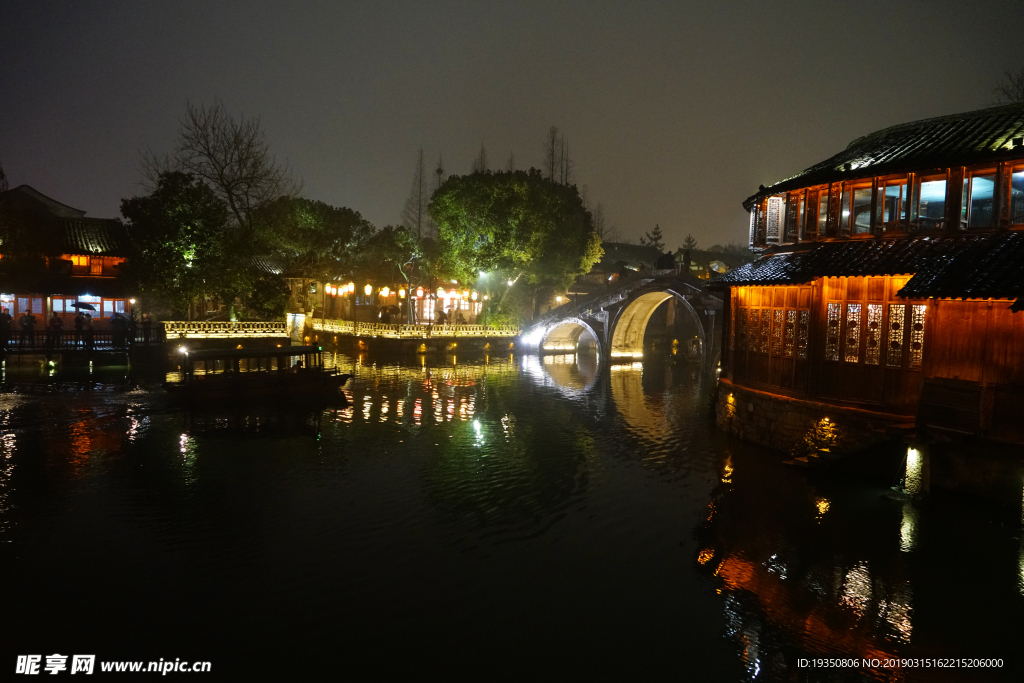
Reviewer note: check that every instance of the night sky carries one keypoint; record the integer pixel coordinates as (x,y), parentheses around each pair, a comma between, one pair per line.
(674,111)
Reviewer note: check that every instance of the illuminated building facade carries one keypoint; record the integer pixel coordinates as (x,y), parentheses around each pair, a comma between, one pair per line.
(887,292)
(56,257)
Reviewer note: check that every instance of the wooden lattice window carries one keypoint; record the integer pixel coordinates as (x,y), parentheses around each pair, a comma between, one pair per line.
(894,354)
(764,331)
(832,332)
(790,334)
(917,334)
(872,347)
(802,329)
(741,330)
(777,316)
(773,227)
(853,315)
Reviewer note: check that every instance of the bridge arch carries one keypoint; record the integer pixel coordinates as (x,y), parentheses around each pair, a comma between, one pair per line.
(630,323)
(564,336)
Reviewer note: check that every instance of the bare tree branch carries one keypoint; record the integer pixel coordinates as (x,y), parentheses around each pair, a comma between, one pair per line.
(231,155)
(1011,89)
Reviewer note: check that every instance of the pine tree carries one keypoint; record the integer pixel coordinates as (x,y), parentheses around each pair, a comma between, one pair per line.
(690,242)
(654,238)
(414,216)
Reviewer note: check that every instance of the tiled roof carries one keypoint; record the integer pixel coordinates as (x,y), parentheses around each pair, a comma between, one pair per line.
(42,202)
(616,253)
(947,267)
(973,137)
(96,236)
(991,267)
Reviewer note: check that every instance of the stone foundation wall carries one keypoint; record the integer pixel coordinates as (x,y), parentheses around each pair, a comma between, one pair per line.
(780,422)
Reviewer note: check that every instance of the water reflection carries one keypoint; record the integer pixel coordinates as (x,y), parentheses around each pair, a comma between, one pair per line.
(488,496)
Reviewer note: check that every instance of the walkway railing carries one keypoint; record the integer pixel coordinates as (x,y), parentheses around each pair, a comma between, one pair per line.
(43,341)
(395,331)
(223,330)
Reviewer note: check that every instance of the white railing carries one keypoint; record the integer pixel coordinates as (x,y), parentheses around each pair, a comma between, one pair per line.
(221,330)
(396,331)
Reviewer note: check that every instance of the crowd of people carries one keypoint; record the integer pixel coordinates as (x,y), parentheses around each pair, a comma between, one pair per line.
(123,329)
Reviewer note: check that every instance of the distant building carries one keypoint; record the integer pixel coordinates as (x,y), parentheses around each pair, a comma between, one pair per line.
(53,257)
(888,287)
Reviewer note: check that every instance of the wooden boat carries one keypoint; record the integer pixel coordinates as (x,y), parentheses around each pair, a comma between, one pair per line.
(285,373)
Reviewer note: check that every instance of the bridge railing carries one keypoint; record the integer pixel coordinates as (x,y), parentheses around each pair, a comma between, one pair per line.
(223,329)
(401,331)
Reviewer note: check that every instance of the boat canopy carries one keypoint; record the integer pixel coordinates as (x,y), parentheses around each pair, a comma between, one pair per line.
(254,352)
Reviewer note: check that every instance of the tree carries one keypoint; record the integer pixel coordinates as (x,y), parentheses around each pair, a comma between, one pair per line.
(178,240)
(654,238)
(480,162)
(414,216)
(231,156)
(3,179)
(558,166)
(1010,90)
(510,165)
(518,226)
(689,242)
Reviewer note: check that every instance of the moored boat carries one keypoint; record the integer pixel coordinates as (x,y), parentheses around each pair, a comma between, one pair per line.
(293,372)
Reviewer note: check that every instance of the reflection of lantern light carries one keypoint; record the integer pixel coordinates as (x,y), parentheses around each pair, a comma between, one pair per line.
(386,292)
(368,289)
(401,293)
(474,296)
(419,292)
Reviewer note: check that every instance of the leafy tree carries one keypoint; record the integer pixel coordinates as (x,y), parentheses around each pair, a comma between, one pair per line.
(654,238)
(311,238)
(518,225)
(178,238)
(689,242)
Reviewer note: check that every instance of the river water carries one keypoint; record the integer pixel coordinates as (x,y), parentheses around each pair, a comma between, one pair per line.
(486,518)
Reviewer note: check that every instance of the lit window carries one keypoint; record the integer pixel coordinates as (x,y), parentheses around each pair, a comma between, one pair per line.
(790,333)
(978,200)
(931,202)
(894,202)
(763,334)
(741,330)
(822,211)
(1017,196)
(802,329)
(861,210)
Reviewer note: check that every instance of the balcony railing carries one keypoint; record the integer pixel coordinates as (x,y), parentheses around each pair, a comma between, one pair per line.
(105,340)
(395,331)
(223,330)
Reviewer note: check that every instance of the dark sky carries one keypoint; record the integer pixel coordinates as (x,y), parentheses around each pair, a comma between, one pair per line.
(674,111)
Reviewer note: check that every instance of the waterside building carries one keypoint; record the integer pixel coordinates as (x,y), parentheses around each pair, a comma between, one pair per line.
(887,294)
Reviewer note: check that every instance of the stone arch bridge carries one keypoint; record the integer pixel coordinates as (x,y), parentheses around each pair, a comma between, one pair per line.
(617,318)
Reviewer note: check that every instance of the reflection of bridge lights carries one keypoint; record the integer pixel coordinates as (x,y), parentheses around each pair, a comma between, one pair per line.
(704,556)
(823,505)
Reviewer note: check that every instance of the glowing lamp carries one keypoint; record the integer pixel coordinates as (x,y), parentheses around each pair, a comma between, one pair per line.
(419,292)
(401,293)
(440,291)
(131,301)
(368,289)
(386,292)
(474,296)
(465,294)
(558,299)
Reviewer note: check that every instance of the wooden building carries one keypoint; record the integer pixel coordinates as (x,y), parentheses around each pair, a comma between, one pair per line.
(52,256)
(888,288)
